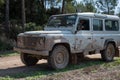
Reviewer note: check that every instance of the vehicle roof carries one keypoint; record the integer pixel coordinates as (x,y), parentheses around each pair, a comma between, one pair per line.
(90,14)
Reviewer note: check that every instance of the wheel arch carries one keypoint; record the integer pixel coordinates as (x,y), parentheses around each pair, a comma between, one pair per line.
(109,41)
(64,44)
(117,54)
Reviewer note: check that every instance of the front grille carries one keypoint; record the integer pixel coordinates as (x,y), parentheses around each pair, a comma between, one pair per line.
(30,42)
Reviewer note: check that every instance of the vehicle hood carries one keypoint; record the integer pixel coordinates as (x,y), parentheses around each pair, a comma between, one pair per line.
(46,32)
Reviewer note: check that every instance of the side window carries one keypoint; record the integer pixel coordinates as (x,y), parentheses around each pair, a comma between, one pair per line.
(97,25)
(111,25)
(83,24)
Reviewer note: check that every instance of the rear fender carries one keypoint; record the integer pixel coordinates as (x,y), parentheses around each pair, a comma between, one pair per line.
(117,54)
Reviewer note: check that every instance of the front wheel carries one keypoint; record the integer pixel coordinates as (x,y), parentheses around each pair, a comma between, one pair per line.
(109,53)
(59,57)
(28,59)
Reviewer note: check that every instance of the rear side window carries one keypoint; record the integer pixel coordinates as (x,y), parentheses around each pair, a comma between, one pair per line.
(111,25)
(97,25)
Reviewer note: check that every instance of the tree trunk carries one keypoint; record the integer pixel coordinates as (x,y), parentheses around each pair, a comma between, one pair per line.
(63,7)
(23,15)
(108,7)
(7,24)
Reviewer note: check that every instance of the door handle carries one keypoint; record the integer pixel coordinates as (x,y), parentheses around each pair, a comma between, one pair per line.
(89,38)
(102,38)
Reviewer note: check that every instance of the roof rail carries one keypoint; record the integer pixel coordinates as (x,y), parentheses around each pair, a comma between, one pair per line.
(100,15)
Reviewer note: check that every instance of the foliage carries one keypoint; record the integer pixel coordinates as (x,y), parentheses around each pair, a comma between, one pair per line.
(5,46)
(69,8)
(8,53)
(32,27)
(1,10)
(106,6)
(87,7)
(2,2)
(15,29)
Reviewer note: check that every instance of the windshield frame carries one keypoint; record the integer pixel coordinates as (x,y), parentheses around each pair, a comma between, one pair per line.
(63,16)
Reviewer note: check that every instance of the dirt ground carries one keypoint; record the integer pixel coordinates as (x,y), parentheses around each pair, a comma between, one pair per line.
(13,65)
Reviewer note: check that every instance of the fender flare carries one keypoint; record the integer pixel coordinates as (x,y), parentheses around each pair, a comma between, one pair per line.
(109,41)
(58,41)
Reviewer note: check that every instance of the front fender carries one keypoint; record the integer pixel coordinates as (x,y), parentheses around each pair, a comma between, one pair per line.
(50,42)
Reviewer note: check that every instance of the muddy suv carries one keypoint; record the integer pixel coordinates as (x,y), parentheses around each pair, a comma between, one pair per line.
(67,36)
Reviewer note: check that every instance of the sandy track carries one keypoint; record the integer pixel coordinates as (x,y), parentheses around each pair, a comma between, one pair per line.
(13,65)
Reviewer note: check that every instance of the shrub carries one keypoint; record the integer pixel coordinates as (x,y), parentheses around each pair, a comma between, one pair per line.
(5,46)
(32,27)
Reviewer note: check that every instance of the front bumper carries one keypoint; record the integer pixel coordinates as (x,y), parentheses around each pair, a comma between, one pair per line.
(41,53)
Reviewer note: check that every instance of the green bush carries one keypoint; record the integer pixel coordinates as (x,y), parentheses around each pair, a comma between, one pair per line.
(5,46)
(14,29)
(7,40)
(32,27)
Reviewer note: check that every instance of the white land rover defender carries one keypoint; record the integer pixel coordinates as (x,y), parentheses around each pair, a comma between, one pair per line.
(67,36)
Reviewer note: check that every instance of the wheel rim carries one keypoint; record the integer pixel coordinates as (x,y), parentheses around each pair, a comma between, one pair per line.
(110,52)
(59,58)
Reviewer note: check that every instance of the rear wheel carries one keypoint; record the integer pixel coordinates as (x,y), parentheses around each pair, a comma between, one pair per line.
(59,57)
(109,53)
(28,60)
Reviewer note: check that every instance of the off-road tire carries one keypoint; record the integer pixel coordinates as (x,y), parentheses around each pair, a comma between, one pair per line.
(59,57)
(28,60)
(109,53)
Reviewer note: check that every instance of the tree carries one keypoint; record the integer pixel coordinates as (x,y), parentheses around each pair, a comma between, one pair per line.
(80,7)
(63,6)
(86,6)
(89,6)
(23,15)
(2,8)
(110,4)
(7,24)
(2,2)
(67,3)
(70,7)
(106,6)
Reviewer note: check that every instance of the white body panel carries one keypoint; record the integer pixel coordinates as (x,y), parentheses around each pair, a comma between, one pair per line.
(80,41)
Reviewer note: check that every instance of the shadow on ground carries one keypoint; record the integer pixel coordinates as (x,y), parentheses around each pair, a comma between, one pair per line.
(43,69)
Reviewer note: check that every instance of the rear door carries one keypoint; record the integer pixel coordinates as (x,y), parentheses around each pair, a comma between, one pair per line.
(98,33)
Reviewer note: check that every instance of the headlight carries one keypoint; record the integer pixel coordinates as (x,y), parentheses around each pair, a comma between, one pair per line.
(19,41)
(41,41)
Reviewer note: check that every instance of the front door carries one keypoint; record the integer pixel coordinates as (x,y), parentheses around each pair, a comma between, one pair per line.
(83,39)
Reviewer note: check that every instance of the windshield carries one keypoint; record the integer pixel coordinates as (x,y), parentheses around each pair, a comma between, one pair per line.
(62,21)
